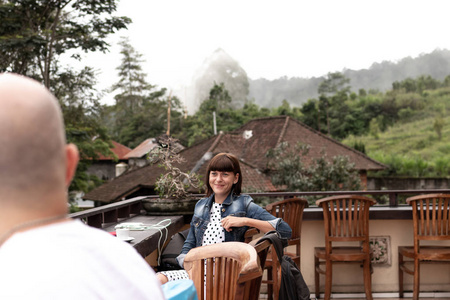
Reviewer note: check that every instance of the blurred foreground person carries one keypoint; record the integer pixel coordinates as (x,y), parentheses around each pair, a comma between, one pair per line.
(43,253)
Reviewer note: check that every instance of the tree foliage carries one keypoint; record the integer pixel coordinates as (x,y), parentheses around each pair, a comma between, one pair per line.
(289,168)
(34,37)
(141,109)
(81,111)
(34,34)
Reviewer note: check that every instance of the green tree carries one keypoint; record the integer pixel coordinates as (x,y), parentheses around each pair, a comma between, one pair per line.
(288,168)
(141,109)
(34,34)
(201,124)
(310,113)
(81,110)
(34,37)
(132,85)
(334,83)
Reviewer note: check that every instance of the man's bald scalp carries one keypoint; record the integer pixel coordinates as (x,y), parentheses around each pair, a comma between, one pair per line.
(32,139)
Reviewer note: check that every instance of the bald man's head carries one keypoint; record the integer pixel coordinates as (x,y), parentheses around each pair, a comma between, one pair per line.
(32,142)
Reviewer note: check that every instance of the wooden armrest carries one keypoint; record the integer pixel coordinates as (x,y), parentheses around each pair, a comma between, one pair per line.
(242,252)
(249,234)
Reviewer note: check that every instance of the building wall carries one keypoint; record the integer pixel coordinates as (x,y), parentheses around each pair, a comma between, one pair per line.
(104,170)
(349,278)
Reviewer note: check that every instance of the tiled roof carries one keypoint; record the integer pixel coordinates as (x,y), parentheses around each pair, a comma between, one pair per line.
(142,149)
(250,144)
(269,132)
(118,149)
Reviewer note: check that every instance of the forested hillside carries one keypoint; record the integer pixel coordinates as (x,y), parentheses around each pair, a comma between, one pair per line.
(380,76)
(418,144)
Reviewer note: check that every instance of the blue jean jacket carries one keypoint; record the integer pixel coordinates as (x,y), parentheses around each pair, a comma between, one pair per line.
(239,206)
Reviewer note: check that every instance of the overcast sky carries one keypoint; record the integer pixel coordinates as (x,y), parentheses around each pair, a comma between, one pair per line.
(271,39)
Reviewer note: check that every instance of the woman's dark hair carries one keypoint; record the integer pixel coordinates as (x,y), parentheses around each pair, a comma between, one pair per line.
(224,162)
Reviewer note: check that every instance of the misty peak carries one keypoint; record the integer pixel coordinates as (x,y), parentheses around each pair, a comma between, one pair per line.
(219,55)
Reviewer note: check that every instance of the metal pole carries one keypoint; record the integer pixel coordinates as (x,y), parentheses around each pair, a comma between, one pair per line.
(214,123)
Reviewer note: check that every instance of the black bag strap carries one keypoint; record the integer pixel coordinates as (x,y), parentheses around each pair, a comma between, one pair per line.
(276,241)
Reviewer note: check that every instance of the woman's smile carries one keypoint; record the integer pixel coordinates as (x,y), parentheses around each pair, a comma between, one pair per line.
(222,182)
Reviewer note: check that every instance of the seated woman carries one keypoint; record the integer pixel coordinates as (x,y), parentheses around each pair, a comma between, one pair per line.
(225,214)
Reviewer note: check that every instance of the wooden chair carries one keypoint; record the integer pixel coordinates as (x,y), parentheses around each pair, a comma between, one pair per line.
(431,221)
(218,269)
(346,219)
(250,289)
(291,211)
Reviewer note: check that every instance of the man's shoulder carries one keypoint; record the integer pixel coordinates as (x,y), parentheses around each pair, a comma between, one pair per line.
(74,254)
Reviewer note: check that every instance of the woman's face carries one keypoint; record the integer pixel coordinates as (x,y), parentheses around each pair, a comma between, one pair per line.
(221,182)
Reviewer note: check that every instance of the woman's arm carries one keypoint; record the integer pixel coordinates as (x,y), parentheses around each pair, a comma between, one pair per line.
(259,218)
(231,221)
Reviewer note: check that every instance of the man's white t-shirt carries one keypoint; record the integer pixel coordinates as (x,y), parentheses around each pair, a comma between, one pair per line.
(70,260)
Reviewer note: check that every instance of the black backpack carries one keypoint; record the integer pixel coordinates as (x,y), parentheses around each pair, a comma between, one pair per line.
(292,285)
(172,250)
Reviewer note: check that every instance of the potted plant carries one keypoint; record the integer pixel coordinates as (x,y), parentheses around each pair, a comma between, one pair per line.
(175,187)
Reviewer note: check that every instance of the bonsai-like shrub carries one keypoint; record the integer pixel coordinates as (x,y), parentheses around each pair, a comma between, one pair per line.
(174,184)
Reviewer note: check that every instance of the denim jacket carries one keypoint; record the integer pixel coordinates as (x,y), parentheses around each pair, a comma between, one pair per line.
(239,206)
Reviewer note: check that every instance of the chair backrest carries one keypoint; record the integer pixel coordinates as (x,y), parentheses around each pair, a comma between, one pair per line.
(291,211)
(216,269)
(431,217)
(346,218)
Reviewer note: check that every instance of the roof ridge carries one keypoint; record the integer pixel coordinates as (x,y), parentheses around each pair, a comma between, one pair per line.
(235,131)
(207,155)
(216,142)
(283,130)
(249,164)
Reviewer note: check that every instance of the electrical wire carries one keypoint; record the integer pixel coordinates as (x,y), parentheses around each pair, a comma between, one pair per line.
(160,226)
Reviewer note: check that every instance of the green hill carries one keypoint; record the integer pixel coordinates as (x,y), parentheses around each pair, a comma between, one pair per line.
(412,147)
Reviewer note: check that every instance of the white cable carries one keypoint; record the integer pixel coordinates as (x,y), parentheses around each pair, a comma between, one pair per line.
(160,227)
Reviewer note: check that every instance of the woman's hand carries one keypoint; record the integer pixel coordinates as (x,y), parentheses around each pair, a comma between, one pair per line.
(162,278)
(231,221)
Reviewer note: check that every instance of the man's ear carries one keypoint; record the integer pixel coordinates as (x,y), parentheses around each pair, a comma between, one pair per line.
(72,158)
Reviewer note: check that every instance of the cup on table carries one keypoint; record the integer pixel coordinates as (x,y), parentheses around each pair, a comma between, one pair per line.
(123,233)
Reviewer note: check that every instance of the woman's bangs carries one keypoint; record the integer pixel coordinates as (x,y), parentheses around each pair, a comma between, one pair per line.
(222,164)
